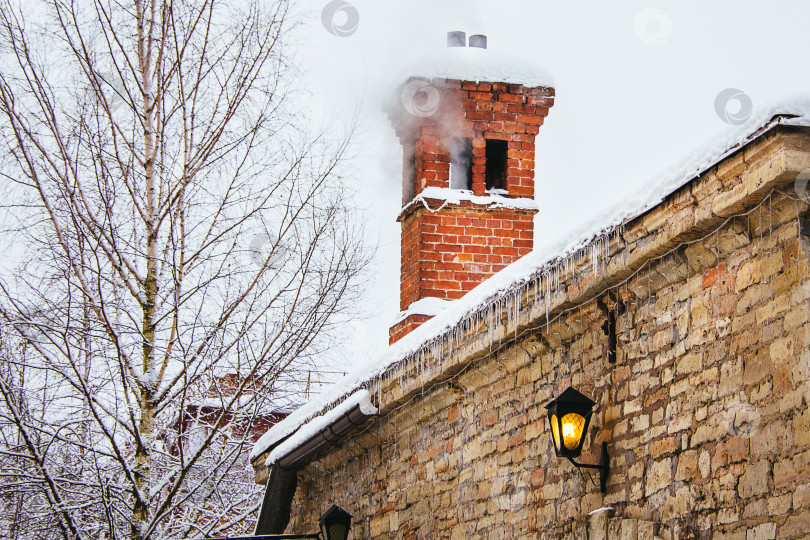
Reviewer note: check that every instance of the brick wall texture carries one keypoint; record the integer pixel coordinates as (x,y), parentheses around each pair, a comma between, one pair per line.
(704,412)
(476,111)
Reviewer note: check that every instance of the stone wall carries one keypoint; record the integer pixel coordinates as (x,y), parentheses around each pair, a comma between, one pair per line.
(704,411)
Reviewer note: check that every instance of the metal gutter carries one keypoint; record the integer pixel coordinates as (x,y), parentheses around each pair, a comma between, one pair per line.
(331,434)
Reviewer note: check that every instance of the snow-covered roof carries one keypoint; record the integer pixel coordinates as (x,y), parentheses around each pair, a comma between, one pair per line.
(793,111)
(479,65)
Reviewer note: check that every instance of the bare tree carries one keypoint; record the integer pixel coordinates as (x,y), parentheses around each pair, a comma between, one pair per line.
(173,222)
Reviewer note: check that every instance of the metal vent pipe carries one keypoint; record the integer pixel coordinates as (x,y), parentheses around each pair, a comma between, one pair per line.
(456,39)
(478,41)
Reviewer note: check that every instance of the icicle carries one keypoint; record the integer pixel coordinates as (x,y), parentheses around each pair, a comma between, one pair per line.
(509,302)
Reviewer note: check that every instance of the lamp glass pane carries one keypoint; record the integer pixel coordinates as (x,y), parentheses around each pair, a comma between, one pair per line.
(572,426)
(555,431)
(337,531)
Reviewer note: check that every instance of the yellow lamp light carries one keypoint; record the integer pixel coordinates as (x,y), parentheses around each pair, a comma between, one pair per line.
(569,416)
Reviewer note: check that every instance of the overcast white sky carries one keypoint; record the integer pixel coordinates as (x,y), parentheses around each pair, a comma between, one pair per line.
(636,86)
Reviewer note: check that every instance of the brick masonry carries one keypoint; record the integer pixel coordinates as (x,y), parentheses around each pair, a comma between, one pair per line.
(705,411)
(476,111)
(449,251)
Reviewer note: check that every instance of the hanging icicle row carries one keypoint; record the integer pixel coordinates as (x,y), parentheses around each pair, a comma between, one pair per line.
(546,282)
(506,307)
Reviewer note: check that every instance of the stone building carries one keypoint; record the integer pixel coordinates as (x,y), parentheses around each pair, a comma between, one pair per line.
(684,316)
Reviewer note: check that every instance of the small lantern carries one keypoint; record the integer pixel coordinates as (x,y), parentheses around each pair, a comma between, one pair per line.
(335,524)
(569,416)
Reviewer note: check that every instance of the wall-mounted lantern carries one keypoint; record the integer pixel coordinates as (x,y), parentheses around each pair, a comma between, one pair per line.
(569,416)
(335,524)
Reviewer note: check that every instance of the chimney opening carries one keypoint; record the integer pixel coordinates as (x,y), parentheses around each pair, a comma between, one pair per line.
(478,41)
(456,39)
(461,163)
(496,164)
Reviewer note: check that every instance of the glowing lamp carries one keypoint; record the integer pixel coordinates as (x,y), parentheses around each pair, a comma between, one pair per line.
(569,416)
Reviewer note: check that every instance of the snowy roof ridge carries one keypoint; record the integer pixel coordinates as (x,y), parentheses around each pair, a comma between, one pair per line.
(492,199)
(794,111)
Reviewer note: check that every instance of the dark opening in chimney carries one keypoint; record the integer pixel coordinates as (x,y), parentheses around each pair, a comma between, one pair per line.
(496,164)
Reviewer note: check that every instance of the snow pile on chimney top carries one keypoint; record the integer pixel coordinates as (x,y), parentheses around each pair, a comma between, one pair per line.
(479,64)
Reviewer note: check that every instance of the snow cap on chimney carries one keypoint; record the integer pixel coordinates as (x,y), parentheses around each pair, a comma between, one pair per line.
(473,61)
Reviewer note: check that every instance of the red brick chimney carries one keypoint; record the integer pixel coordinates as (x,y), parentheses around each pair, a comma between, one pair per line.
(468,174)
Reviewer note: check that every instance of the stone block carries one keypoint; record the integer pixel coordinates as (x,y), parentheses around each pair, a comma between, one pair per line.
(629,529)
(659,476)
(757,366)
(796,526)
(754,480)
(781,351)
(662,446)
(580,533)
(748,274)
(689,364)
(801,429)
(801,497)
(705,433)
(730,376)
(772,438)
(640,423)
(778,506)
(766,531)
(598,524)
(700,256)
(687,466)
(646,530)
